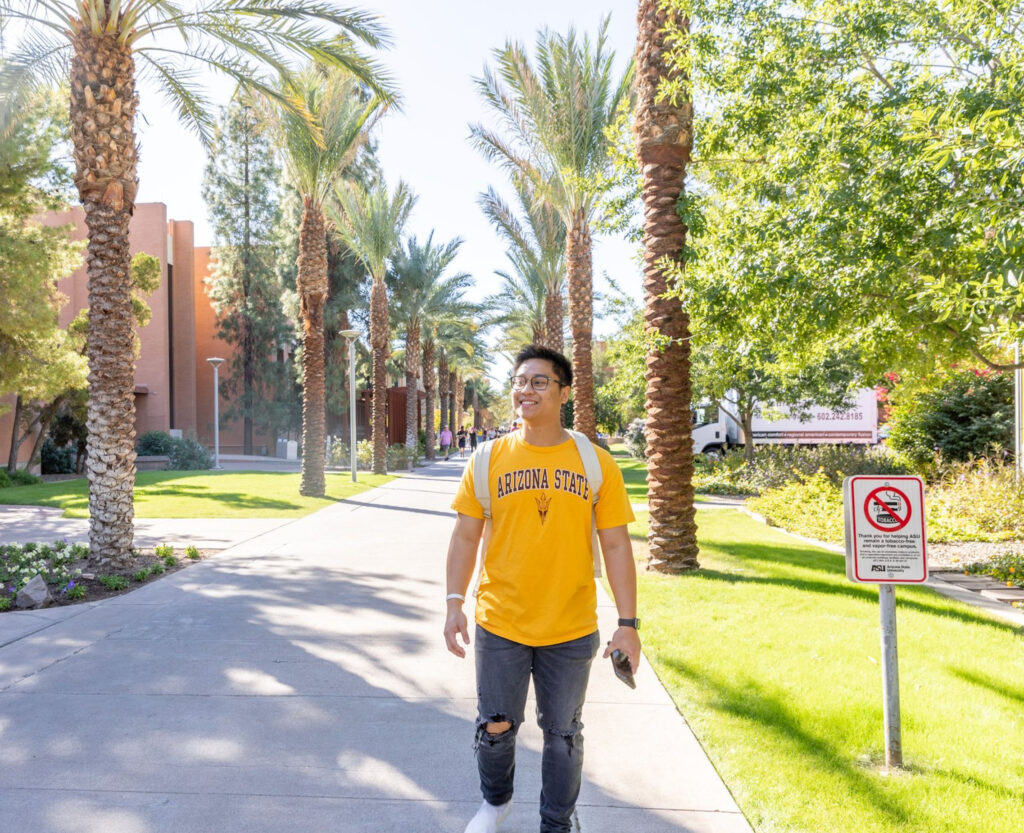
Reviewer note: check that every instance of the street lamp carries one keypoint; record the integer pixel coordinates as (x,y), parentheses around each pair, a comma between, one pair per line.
(350,336)
(216,411)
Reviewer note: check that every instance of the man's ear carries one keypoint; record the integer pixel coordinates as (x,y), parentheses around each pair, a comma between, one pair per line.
(565,392)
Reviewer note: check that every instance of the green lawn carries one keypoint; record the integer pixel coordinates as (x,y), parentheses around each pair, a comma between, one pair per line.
(634,472)
(201,494)
(772,656)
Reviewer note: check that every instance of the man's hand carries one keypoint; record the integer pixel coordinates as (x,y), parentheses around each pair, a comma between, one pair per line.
(626,640)
(454,624)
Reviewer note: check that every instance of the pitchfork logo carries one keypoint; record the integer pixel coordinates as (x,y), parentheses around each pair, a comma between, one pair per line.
(543,502)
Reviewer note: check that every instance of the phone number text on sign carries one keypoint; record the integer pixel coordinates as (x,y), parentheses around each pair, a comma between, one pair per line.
(885,530)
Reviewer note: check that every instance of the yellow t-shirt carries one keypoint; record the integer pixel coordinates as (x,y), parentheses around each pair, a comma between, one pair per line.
(537,583)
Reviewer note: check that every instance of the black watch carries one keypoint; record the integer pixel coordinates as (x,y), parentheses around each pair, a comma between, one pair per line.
(629,623)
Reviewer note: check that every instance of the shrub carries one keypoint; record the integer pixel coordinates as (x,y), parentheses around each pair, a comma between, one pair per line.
(5,479)
(965,414)
(812,506)
(192,552)
(158,569)
(171,560)
(140,575)
(24,478)
(188,454)
(1007,568)
(338,454)
(163,550)
(113,582)
(5,603)
(635,439)
(155,444)
(400,457)
(976,501)
(55,459)
(73,591)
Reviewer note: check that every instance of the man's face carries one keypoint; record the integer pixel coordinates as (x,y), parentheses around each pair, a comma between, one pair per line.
(539,405)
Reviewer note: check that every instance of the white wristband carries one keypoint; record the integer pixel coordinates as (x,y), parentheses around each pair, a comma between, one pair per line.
(458,596)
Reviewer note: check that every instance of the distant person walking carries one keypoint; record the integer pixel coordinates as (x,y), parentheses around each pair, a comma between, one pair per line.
(463,437)
(446,441)
(474,433)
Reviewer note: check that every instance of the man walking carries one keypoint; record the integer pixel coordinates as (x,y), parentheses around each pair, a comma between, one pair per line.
(446,441)
(536,609)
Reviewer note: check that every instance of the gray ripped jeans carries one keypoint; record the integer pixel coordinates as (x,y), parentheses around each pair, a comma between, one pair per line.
(560,674)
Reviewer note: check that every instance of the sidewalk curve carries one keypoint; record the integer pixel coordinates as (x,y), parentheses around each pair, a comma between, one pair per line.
(298,681)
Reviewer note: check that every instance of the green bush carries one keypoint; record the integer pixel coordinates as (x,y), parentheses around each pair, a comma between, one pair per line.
(155,444)
(812,506)
(24,478)
(113,582)
(5,479)
(965,414)
(192,552)
(338,455)
(55,459)
(400,457)
(979,500)
(163,550)
(188,454)
(1007,568)
(140,575)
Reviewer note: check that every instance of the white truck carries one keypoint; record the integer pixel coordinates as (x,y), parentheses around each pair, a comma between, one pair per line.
(717,426)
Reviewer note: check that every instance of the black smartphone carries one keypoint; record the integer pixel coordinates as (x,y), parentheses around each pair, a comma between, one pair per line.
(623,670)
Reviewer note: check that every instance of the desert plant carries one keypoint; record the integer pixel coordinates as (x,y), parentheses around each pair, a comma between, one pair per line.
(154,443)
(192,552)
(188,454)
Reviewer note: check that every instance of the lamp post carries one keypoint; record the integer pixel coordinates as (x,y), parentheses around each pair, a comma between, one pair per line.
(350,336)
(216,363)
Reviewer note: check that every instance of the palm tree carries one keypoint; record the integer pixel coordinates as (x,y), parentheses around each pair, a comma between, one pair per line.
(99,44)
(555,115)
(664,141)
(422,297)
(371,222)
(517,308)
(320,142)
(536,250)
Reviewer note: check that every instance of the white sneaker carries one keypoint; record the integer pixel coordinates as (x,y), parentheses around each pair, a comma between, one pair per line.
(488,817)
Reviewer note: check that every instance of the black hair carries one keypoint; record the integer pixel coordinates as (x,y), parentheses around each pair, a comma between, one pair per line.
(534,351)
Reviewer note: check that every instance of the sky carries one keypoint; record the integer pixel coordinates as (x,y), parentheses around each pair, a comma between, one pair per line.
(438,48)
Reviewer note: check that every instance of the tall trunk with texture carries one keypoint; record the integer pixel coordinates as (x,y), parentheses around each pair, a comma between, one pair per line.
(16,437)
(102,114)
(248,342)
(476,407)
(452,419)
(664,139)
(460,399)
(580,278)
(430,386)
(312,285)
(554,322)
(379,344)
(412,377)
(443,389)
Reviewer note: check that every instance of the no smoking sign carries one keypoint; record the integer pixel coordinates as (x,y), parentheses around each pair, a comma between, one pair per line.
(885,534)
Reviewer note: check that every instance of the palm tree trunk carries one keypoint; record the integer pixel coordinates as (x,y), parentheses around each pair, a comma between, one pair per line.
(476,407)
(664,137)
(430,386)
(460,399)
(312,283)
(343,324)
(443,380)
(452,421)
(581,320)
(103,102)
(412,376)
(379,344)
(554,322)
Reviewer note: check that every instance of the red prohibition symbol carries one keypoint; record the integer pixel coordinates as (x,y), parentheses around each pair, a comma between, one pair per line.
(887,509)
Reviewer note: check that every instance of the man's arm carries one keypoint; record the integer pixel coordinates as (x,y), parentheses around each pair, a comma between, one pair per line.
(459,571)
(621,572)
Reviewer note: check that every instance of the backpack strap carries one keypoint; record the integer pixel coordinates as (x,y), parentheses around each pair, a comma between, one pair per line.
(592,469)
(481,460)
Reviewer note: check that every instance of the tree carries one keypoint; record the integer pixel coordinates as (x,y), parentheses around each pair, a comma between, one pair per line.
(370,223)
(320,143)
(664,142)
(39,361)
(422,297)
(536,250)
(98,45)
(240,190)
(555,118)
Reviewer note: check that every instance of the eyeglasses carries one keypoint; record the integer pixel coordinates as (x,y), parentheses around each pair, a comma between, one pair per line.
(538,383)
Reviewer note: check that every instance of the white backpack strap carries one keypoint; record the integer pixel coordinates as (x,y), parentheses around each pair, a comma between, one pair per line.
(592,469)
(481,461)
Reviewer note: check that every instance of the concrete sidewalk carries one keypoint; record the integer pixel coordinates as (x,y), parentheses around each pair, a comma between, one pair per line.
(299,682)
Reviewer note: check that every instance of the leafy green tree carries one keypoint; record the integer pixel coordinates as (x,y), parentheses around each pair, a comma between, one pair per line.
(240,190)
(98,45)
(39,361)
(958,414)
(554,114)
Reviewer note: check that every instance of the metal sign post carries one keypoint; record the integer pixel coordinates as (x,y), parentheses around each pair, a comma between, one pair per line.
(885,545)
